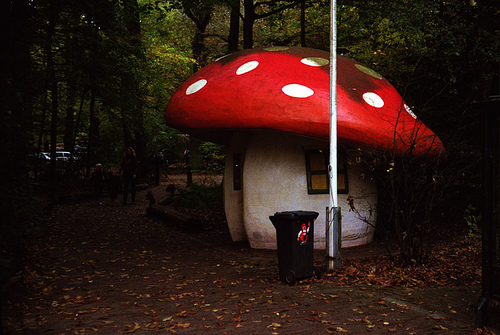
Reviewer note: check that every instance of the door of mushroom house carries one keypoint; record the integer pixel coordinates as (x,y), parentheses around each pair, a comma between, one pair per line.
(233,185)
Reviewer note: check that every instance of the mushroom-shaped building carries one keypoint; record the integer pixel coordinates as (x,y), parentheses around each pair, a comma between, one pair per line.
(271,107)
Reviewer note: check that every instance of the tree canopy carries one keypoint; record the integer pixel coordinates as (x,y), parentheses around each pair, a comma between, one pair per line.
(84,72)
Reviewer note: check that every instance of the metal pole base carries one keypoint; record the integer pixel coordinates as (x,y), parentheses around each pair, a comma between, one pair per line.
(333,238)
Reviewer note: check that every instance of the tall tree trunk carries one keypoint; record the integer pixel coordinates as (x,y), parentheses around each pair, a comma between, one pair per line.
(134,134)
(77,123)
(42,129)
(251,16)
(201,20)
(234,27)
(303,23)
(94,129)
(198,46)
(53,90)
(248,23)
(489,20)
(69,126)
(132,20)
(16,86)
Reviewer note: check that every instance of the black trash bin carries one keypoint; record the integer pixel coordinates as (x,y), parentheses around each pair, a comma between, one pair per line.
(295,237)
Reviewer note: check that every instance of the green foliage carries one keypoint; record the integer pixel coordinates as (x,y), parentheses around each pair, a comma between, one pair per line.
(473,219)
(214,156)
(201,196)
(283,28)
(167,36)
(103,65)
(438,55)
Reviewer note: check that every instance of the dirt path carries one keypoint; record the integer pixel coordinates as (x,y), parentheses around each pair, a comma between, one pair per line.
(102,269)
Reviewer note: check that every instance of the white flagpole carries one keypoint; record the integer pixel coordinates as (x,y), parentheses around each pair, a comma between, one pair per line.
(333,228)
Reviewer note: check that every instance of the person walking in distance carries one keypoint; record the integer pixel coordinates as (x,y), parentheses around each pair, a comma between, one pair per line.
(114,185)
(129,169)
(98,180)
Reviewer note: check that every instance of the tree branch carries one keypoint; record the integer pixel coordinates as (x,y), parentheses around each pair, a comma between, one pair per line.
(280,9)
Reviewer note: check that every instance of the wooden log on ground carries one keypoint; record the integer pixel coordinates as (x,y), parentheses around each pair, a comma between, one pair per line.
(142,186)
(171,215)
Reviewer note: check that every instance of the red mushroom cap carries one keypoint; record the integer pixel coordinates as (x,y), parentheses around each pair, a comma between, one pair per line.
(286,89)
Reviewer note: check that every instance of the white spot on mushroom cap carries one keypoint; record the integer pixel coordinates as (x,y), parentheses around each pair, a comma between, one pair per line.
(373,99)
(368,71)
(408,109)
(247,67)
(196,86)
(315,61)
(297,91)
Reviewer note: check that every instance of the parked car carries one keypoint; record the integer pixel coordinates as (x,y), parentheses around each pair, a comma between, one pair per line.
(63,156)
(45,156)
(42,156)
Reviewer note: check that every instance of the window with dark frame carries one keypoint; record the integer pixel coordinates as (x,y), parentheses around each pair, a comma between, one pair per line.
(317,173)
(237,172)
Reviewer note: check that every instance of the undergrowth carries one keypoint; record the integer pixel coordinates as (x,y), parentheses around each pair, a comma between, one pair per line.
(201,196)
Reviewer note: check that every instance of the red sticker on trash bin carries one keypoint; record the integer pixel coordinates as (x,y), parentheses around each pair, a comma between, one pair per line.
(304,233)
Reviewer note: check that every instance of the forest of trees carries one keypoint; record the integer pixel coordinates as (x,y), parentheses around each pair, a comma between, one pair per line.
(99,73)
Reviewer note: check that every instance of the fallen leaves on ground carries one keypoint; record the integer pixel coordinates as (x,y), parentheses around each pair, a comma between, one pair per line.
(76,278)
(450,263)
(133,328)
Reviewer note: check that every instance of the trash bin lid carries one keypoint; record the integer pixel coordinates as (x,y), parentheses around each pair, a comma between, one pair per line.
(296,215)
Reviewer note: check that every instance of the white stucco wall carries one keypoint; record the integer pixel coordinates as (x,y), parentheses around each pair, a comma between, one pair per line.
(274,180)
